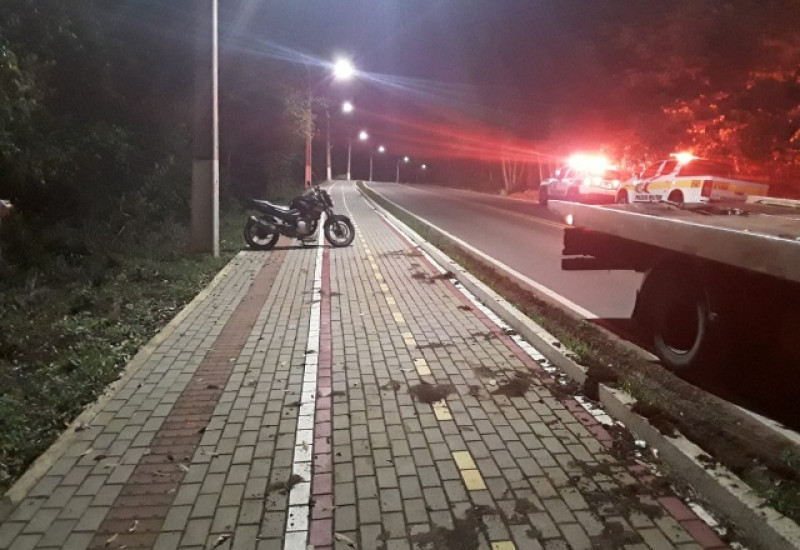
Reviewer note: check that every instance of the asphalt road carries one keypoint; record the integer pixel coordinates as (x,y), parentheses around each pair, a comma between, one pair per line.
(527,238)
(523,236)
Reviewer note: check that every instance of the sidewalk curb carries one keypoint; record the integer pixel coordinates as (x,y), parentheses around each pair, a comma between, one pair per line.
(42,464)
(725,492)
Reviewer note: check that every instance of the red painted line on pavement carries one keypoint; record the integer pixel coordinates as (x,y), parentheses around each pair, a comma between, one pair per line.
(138,513)
(321,523)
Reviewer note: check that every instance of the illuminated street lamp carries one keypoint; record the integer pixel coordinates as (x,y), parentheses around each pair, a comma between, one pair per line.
(381,149)
(422,168)
(404,159)
(347,108)
(363,136)
(343,69)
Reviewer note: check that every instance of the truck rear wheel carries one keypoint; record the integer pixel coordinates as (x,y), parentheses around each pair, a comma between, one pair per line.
(687,334)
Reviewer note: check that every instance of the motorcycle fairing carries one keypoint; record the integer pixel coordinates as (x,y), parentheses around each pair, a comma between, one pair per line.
(278,211)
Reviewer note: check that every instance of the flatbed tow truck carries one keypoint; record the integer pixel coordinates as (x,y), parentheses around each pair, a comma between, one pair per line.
(720,278)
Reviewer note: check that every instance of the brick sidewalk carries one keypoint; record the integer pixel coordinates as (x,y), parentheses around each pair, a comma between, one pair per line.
(347,398)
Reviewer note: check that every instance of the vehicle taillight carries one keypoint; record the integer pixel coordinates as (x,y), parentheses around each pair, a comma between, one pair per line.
(706,190)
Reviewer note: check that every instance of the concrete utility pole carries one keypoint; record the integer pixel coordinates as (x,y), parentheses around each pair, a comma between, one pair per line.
(328,145)
(204,236)
(309,133)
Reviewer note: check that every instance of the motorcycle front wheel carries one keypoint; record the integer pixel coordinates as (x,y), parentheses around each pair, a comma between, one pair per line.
(259,237)
(339,231)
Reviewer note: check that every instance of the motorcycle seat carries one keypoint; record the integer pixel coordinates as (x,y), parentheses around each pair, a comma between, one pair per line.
(272,205)
(275,209)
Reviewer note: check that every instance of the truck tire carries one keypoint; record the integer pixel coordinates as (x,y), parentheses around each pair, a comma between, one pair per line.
(687,334)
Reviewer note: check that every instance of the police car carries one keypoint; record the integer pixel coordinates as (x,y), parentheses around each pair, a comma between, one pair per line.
(587,178)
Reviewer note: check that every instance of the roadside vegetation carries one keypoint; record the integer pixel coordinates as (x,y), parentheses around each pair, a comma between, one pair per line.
(732,438)
(71,324)
(95,155)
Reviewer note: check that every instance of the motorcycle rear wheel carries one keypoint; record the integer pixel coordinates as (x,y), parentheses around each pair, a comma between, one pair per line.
(339,231)
(259,237)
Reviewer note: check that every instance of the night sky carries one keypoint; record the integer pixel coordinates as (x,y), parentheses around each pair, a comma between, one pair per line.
(441,74)
(486,79)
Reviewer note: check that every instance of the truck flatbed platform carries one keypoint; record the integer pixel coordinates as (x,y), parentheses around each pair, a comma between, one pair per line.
(761,235)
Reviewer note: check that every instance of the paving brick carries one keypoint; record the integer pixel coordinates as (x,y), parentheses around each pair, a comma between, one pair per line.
(386,458)
(435,498)
(345,518)
(369,510)
(390,500)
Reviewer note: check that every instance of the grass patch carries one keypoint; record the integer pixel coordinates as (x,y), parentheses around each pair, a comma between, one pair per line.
(766,462)
(70,328)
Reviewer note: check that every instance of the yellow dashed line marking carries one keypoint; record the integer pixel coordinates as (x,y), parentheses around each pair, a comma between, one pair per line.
(441,410)
(473,480)
(384,287)
(399,317)
(422,366)
(390,301)
(378,276)
(503,545)
(469,471)
(464,460)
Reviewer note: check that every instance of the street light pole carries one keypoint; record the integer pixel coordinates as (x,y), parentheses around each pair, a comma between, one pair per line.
(349,148)
(309,131)
(204,236)
(381,149)
(362,135)
(342,70)
(328,144)
(404,159)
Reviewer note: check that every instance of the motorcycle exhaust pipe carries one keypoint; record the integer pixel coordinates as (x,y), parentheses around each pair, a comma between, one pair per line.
(266,225)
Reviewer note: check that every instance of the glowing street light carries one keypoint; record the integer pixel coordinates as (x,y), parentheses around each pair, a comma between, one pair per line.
(422,168)
(381,149)
(343,69)
(347,108)
(363,136)
(404,159)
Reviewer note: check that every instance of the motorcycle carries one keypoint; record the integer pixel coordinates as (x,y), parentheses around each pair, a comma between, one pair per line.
(300,220)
